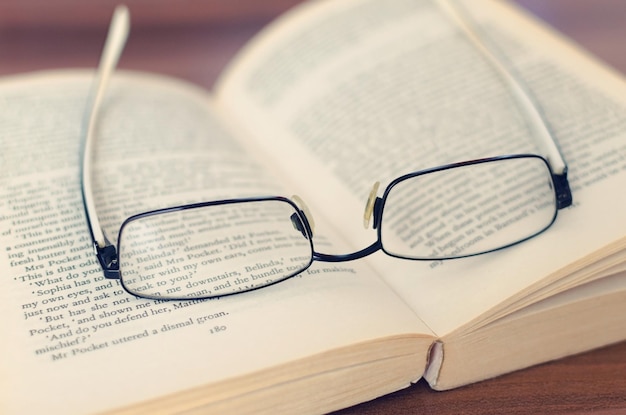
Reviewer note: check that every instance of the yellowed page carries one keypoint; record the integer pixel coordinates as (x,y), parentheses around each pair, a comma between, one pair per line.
(71,338)
(349,93)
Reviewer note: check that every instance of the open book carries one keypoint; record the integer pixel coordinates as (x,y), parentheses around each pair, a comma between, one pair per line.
(329,99)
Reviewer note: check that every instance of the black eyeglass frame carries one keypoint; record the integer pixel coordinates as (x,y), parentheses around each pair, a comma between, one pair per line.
(107,253)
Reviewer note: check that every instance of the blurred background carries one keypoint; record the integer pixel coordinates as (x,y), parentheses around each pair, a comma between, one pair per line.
(194,39)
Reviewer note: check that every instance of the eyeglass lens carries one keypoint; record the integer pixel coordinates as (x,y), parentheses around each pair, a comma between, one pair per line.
(213,250)
(464,211)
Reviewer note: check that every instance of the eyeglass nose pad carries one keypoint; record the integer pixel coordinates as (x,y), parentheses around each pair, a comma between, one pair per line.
(369,206)
(305,210)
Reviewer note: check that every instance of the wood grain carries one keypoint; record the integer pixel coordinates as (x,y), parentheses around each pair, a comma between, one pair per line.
(194,40)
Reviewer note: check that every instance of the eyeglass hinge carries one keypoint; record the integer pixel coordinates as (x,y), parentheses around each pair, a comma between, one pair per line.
(107,256)
(563,191)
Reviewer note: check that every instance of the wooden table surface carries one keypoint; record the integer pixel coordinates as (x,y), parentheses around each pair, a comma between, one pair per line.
(194,40)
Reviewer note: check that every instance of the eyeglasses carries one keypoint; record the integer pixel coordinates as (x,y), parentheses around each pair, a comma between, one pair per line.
(224,247)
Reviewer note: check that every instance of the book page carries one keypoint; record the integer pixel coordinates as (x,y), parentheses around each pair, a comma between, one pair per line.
(564,324)
(70,335)
(350,93)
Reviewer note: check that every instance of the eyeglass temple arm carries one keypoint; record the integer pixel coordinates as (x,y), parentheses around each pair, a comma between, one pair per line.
(114,45)
(524,97)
